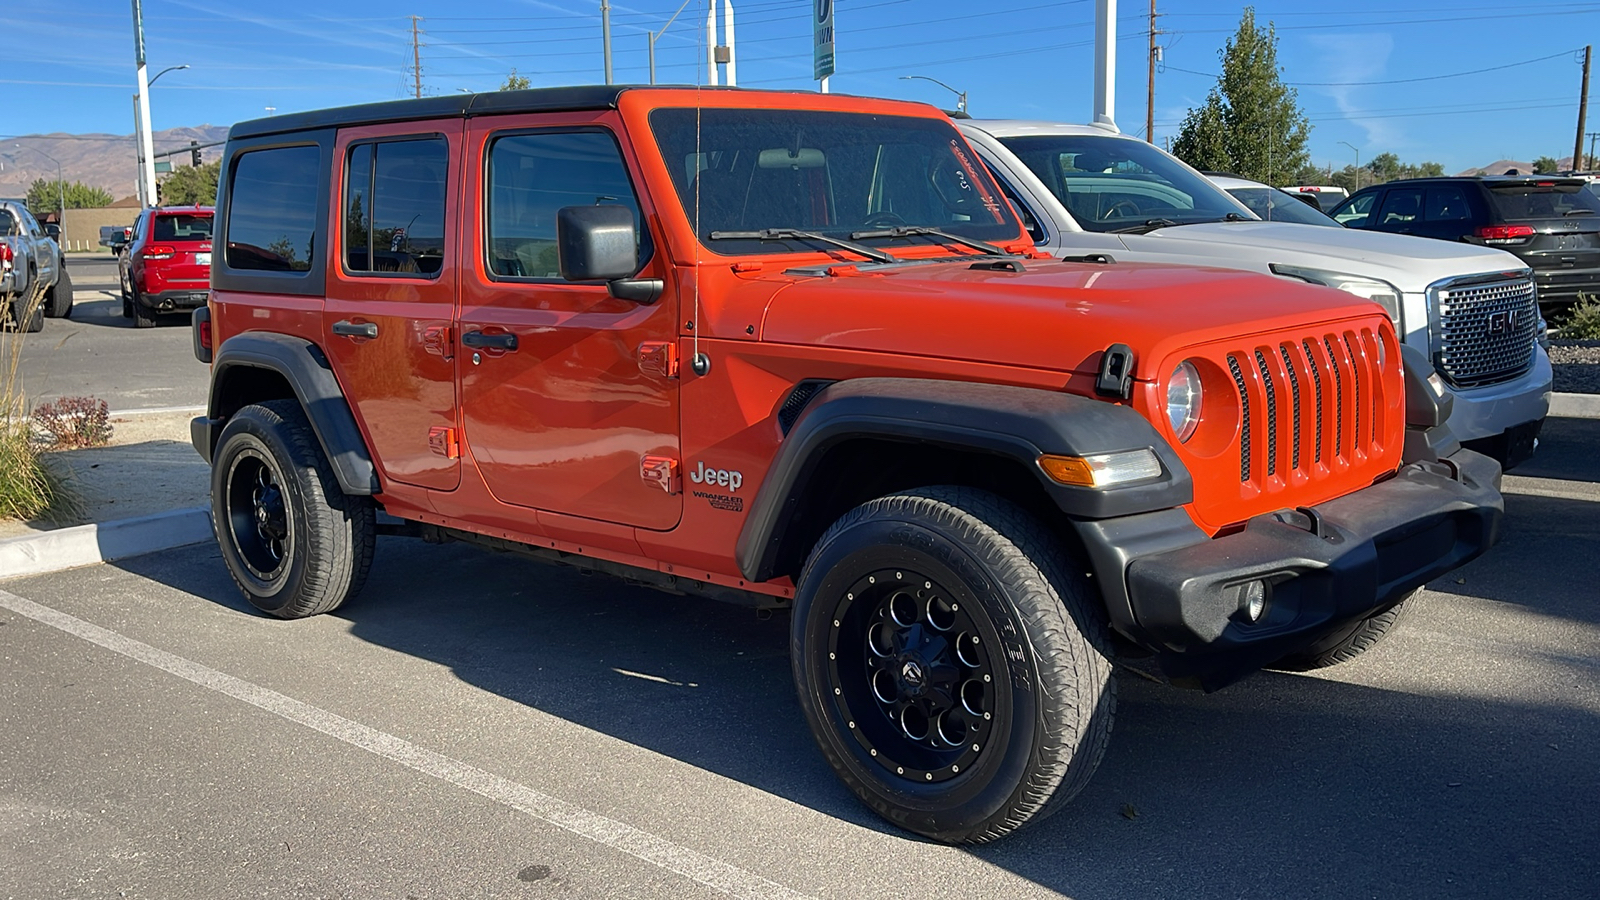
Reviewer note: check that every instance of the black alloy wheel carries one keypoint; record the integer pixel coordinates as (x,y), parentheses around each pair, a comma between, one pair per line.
(258,518)
(912,670)
(952,662)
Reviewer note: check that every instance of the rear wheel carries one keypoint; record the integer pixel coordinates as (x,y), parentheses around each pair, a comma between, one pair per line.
(951,664)
(58,302)
(295,544)
(143,316)
(1349,642)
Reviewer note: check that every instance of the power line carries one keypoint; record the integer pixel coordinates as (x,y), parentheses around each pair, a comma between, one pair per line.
(1524,62)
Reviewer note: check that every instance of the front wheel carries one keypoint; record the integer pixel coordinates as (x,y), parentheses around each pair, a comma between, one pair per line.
(1349,642)
(951,663)
(58,301)
(294,542)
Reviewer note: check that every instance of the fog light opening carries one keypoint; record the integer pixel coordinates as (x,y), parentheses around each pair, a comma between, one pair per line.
(1252,601)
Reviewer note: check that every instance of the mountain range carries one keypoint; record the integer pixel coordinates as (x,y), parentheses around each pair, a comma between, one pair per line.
(104,161)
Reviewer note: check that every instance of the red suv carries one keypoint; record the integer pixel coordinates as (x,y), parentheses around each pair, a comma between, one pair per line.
(167,266)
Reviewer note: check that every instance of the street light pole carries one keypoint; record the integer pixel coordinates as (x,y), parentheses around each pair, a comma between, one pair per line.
(1358,161)
(961,96)
(61,186)
(656,36)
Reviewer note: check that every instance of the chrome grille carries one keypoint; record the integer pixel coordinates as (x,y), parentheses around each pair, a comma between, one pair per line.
(1486,330)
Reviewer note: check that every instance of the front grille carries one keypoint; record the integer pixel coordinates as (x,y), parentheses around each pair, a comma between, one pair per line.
(1259,375)
(1486,331)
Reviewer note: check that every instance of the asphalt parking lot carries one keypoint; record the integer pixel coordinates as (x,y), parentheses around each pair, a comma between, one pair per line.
(477,725)
(95,352)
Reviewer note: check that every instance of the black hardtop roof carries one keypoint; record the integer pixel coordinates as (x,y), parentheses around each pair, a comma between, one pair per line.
(554,99)
(1489,180)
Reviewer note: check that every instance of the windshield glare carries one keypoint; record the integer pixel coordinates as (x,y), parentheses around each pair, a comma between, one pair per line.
(1276,206)
(1110,182)
(827,172)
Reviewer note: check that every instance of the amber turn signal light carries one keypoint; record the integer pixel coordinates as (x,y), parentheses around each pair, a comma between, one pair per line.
(1102,469)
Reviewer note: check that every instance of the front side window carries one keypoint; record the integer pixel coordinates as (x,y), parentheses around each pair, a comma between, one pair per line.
(272,209)
(837,174)
(1358,212)
(182,227)
(394,203)
(1111,184)
(532,177)
(8,224)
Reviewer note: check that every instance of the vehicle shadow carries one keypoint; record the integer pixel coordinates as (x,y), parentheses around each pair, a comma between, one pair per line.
(107,313)
(1566,451)
(1280,786)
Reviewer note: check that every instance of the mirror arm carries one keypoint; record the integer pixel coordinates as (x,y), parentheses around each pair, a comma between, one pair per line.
(643,291)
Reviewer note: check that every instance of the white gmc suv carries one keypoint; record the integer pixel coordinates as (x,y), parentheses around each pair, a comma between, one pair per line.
(1472,311)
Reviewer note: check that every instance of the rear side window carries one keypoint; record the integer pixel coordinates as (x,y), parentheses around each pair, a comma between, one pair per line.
(1532,200)
(272,209)
(8,224)
(1447,203)
(182,228)
(531,177)
(394,207)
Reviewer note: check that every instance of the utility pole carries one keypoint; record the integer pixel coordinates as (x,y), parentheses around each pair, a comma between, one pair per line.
(1583,107)
(147,163)
(721,52)
(605,27)
(1150,108)
(1588,163)
(416,56)
(1105,63)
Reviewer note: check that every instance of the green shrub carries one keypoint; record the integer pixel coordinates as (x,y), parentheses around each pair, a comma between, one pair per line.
(1583,322)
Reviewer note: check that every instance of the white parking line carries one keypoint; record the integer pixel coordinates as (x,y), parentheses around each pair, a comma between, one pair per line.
(692,864)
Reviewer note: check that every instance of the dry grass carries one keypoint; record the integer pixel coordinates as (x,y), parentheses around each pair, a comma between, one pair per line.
(29,488)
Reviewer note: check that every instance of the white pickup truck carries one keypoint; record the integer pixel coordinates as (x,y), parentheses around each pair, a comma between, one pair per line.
(29,257)
(1470,310)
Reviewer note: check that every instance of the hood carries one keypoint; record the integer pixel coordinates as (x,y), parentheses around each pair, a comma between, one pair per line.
(1407,262)
(1053,315)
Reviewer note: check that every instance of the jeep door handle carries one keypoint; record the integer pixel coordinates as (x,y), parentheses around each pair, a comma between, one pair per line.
(348,328)
(477,340)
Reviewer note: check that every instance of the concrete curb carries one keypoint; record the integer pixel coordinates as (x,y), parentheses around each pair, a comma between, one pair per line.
(87,545)
(1575,406)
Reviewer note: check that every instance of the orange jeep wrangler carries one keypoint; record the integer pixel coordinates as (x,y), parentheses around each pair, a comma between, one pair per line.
(793,350)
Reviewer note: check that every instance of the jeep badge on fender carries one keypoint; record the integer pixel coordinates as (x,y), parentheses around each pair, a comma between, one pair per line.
(964,531)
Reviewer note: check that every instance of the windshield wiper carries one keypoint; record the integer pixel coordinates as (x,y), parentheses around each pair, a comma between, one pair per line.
(1150,225)
(912,230)
(1570,212)
(796,234)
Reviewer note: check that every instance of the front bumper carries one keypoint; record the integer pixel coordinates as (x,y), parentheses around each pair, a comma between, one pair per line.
(1322,568)
(1488,412)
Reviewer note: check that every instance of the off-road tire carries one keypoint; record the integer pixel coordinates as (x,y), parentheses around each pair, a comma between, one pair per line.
(34,321)
(1055,697)
(143,316)
(1347,643)
(330,535)
(58,301)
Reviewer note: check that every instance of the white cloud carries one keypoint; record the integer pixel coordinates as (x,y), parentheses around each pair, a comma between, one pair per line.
(1346,58)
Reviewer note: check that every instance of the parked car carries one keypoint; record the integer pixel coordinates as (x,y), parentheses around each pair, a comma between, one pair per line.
(1326,196)
(1269,203)
(792,349)
(167,266)
(1549,222)
(30,257)
(115,237)
(1086,190)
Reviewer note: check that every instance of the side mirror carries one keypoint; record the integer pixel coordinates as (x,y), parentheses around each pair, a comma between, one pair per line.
(53,230)
(598,243)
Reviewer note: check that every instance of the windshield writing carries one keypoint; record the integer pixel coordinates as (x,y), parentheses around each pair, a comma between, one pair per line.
(1109,183)
(827,173)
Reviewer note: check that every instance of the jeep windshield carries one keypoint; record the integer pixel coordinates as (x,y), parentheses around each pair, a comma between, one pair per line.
(795,181)
(1120,184)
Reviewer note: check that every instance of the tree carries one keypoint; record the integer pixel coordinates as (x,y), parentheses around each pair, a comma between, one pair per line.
(1202,142)
(1251,115)
(190,185)
(1546,165)
(45,196)
(515,82)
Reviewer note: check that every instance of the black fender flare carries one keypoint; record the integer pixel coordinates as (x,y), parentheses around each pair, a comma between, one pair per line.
(304,366)
(1013,422)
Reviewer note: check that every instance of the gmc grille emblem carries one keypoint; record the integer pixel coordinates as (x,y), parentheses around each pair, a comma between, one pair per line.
(1502,322)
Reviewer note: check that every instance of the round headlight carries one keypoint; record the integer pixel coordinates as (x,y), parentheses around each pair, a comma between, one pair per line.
(1183,400)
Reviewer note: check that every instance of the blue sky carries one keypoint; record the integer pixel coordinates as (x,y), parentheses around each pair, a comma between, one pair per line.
(1368,74)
